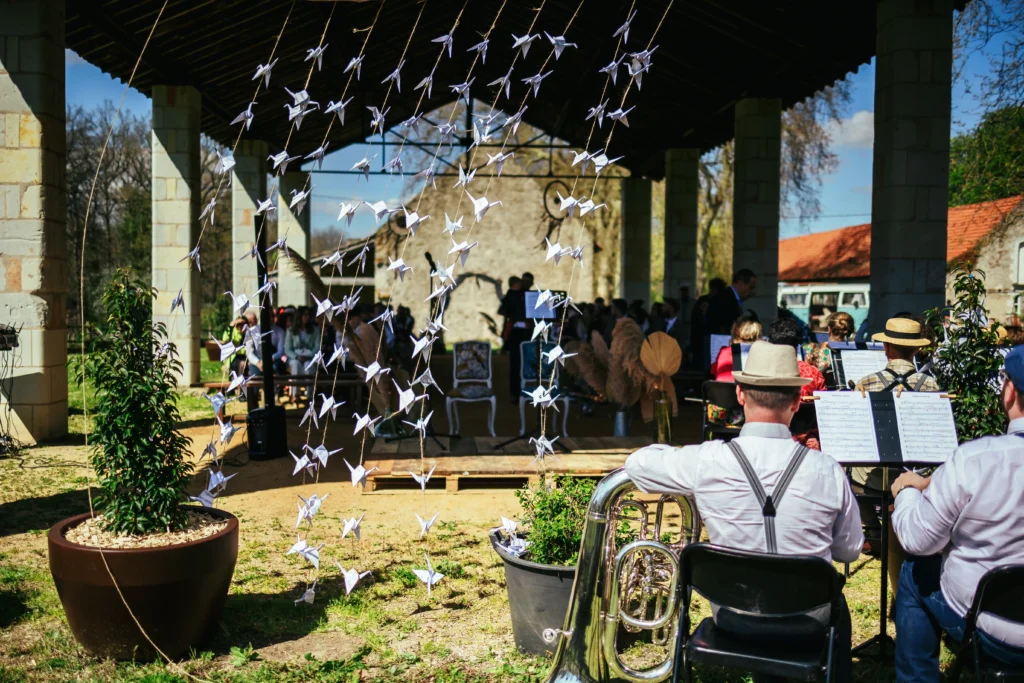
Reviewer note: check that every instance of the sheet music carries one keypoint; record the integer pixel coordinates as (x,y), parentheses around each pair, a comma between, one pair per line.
(873,346)
(846,427)
(717,342)
(927,429)
(858,363)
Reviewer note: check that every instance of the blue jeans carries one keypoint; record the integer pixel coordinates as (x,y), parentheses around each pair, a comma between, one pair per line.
(921,614)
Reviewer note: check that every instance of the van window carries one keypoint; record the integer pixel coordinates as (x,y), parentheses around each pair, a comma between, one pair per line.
(794,300)
(823,304)
(858,299)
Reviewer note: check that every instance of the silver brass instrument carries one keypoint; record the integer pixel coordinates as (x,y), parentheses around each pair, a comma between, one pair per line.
(634,587)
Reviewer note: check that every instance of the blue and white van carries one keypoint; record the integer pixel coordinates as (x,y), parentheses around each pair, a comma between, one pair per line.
(814,303)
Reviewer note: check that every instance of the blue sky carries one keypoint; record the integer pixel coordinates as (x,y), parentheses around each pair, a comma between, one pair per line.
(845,194)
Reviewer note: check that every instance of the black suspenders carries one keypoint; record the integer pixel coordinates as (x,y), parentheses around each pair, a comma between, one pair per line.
(769,503)
(900,379)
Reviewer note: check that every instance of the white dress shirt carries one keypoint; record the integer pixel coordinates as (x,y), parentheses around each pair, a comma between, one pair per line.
(972,513)
(670,323)
(817,516)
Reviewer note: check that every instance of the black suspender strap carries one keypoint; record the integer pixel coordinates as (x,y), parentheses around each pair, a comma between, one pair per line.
(769,503)
(899,379)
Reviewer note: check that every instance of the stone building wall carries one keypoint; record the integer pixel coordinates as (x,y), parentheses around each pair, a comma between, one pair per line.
(511,242)
(1000,256)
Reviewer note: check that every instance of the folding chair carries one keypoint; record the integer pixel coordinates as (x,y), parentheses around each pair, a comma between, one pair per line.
(1001,594)
(777,588)
(723,395)
(471,382)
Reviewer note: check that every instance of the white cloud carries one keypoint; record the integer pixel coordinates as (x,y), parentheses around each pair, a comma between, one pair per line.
(856,132)
(71,58)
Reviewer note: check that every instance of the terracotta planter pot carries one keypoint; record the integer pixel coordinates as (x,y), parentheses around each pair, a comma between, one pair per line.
(176,592)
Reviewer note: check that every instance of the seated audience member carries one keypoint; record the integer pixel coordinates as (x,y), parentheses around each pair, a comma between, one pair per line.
(253,344)
(958,524)
(840,329)
(1014,335)
(277,338)
(744,331)
(817,515)
(236,335)
(301,342)
(787,332)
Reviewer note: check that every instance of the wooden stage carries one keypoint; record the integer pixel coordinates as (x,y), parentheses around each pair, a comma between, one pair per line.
(471,464)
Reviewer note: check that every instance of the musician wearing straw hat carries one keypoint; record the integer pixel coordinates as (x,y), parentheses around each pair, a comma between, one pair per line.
(763,492)
(902,339)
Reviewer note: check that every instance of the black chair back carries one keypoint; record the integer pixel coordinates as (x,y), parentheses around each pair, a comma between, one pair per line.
(805,420)
(721,394)
(1001,593)
(759,583)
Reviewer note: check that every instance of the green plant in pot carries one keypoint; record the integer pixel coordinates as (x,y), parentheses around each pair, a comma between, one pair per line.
(141,571)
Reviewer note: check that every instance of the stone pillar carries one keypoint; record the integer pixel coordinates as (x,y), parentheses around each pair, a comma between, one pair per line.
(248,188)
(635,239)
(291,287)
(176,187)
(33,262)
(681,186)
(756,200)
(910,176)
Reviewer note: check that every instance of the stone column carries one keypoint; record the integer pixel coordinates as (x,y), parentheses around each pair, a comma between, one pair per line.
(681,187)
(248,189)
(910,183)
(176,183)
(33,262)
(756,200)
(635,239)
(291,287)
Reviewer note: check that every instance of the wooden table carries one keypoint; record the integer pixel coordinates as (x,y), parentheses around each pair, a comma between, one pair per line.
(472,463)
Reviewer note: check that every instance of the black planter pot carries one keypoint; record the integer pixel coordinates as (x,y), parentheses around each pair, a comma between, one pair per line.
(176,592)
(538,595)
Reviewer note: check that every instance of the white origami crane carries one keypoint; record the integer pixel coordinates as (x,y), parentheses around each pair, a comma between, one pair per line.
(540,328)
(419,344)
(444,274)
(266,206)
(422,480)
(425,524)
(324,307)
(428,175)
(264,70)
(535,80)
(567,203)
(364,422)
(568,301)
(347,211)
(612,69)
(544,447)
(247,116)
(209,210)
(462,249)
(428,83)
(303,463)
(299,111)
(331,259)
(559,43)
(205,498)
(217,482)
(636,71)
(451,226)
(481,205)
(224,163)
(421,425)
(267,286)
(298,98)
(481,49)
(340,354)
(394,165)
(359,472)
(439,292)
(542,397)
(481,136)
(355,63)
(318,155)
(446,42)
(351,577)
(588,206)
(464,178)
(281,244)
(316,53)
(281,161)
(217,401)
(555,251)
(385,318)
(399,266)
(517,546)
(499,160)
(194,257)
(310,414)
(558,354)
(227,431)
(364,166)
(407,397)
(543,298)
(597,112)
(308,509)
(428,575)
(239,301)
(462,89)
(318,357)
(601,161)
(504,83)
(447,132)
(329,404)
(426,380)
(310,593)
(620,115)
(524,42)
(373,371)
(380,209)
(178,301)
(226,349)
(624,29)
(396,76)
(338,107)
(312,555)
(352,526)
(515,120)
(412,221)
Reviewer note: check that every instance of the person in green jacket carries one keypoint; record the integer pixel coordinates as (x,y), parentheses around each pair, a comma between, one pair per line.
(236,335)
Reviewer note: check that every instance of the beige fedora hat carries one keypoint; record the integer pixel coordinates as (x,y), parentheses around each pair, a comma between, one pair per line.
(902,332)
(771,365)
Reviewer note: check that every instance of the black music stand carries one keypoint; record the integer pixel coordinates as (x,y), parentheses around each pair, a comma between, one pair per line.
(535,432)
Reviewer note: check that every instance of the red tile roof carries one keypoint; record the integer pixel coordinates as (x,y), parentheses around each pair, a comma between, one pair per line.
(846,253)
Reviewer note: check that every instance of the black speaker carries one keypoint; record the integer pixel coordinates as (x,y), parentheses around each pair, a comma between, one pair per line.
(267,432)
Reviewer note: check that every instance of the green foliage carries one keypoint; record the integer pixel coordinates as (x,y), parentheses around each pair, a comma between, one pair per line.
(138,455)
(969,363)
(451,569)
(240,656)
(988,162)
(406,577)
(555,513)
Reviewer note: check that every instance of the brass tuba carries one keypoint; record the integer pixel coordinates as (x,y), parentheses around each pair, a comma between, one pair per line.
(632,588)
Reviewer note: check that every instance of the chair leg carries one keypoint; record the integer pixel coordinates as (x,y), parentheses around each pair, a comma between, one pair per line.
(490,415)
(448,409)
(831,654)
(458,422)
(565,418)
(522,415)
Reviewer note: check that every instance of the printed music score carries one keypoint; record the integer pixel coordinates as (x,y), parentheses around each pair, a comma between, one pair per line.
(859,363)
(926,425)
(846,426)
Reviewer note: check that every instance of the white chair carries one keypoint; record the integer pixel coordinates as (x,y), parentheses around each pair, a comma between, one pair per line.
(471,381)
(529,371)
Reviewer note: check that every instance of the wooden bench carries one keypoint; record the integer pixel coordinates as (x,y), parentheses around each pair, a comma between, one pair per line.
(254,384)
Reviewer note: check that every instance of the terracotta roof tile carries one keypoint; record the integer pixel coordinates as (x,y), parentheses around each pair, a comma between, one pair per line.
(846,253)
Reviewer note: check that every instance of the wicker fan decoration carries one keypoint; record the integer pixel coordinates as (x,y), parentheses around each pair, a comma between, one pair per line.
(661,357)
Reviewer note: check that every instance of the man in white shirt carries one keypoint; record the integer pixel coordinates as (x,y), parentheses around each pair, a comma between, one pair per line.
(816,514)
(971,510)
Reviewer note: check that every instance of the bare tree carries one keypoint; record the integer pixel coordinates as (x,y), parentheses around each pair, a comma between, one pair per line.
(983,23)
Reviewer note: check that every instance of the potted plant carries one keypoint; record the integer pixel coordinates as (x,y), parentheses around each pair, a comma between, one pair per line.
(141,570)
(540,558)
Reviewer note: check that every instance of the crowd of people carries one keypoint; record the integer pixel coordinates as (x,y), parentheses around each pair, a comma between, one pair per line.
(948,528)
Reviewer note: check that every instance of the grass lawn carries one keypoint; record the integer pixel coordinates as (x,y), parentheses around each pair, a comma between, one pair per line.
(386,630)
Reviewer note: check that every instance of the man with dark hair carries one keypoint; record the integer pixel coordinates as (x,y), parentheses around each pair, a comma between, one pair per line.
(518,328)
(815,513)
(957,524)
(727,306)
(787,332)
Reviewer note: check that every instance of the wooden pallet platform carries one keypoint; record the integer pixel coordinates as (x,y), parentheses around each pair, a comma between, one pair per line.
(473,465)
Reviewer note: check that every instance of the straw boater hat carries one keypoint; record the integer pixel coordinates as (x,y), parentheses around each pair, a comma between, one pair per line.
(771,365)
(902,332)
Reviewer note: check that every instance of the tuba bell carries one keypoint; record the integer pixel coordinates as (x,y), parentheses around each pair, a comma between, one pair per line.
(627,589)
